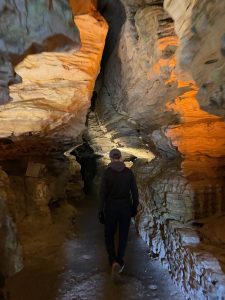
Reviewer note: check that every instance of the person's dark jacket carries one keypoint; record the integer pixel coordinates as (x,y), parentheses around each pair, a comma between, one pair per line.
(118,189)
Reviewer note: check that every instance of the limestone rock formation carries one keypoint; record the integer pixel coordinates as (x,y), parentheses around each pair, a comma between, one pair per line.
(200,28)
(145,51)
(10,248)
(193,251)
(39,26)
(58,59)
(35,213)
(7,74)
(80,7)
(161,91)
(53,100)
(150,95)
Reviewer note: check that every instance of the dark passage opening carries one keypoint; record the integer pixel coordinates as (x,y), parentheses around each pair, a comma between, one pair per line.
(87,159)
(114,13)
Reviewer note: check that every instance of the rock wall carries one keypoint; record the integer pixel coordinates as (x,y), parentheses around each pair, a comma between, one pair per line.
(35,209)
(149,96)
(10,249)
(171,220)
(199,26)
(56,58)
(136,59)
(57,86)
(33,28)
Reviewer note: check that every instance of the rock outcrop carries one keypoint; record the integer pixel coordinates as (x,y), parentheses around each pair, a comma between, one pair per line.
(33,28)
(58,59)
(150,96)
(172,221)
(52,101)
(199,26)
(161,92)
(35,210)
(10,248)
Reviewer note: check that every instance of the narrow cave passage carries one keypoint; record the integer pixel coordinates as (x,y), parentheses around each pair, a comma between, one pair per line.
(55,141)
(78,268)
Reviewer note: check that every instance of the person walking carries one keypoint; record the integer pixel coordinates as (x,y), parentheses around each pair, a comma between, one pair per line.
(118,204)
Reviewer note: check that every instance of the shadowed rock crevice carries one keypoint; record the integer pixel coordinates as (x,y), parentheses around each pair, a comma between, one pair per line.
(86,157)
(114,13)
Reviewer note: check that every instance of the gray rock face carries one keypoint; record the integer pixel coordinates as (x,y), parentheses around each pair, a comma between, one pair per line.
(169,204)
(25,29)
(200,28)
(7,77)
(149,94)
(10,248)
(39,26)
(133,72)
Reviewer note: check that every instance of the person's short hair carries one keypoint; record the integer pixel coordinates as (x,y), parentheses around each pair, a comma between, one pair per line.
(115,153)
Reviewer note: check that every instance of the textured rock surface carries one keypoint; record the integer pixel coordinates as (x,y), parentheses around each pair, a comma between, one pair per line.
(36,209)
(58,66)
(53,100)
(10,249)
(7,75)
(80,7)
(193,254)
(145,51)
(24,29)
(148,100)
(200,28)
(148,93)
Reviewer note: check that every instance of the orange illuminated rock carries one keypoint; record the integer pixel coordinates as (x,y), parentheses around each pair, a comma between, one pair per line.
(199,25)
(83,7)
(143,84)
(55,94)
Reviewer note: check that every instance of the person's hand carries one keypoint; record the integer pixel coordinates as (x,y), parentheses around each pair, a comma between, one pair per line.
(101,217)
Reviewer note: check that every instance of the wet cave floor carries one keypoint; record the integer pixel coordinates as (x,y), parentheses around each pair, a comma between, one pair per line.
(77,268)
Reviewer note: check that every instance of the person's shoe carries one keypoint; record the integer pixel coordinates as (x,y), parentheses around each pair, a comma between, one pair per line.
(116,278)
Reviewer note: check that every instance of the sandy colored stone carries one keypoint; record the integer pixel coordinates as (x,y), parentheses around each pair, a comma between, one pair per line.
(56,90)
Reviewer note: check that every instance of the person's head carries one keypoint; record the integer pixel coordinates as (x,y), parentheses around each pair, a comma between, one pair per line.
(115,155)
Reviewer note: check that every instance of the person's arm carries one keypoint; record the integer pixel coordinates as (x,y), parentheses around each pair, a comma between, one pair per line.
(103,192)
(102,196)
(135,196)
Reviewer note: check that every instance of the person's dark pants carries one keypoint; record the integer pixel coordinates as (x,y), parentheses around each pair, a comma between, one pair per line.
(114,218)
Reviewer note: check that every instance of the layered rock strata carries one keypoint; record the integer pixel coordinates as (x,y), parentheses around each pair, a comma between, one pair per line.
(147,93)
(58,62)
(10,248)
(53,99)
(33,28)
(200,28)
(169,222)
(36,213)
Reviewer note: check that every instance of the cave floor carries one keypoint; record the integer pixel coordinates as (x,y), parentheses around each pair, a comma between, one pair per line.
(78,268)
